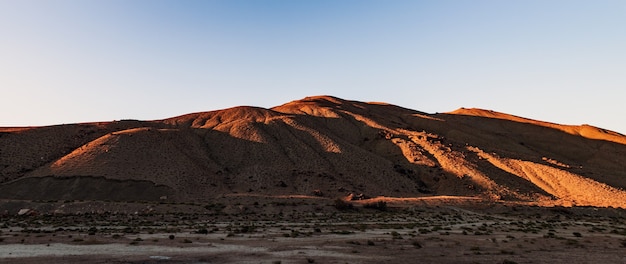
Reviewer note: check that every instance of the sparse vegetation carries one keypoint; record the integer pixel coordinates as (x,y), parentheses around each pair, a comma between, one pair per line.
(342,205)
(380,205)
(405,228)
(416,244)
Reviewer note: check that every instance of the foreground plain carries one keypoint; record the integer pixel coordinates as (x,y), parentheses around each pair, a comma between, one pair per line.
(309,231)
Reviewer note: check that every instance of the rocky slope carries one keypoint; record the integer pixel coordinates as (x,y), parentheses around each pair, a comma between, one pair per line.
(318,146)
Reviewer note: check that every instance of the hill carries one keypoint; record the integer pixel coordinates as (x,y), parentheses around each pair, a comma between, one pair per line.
(320,147)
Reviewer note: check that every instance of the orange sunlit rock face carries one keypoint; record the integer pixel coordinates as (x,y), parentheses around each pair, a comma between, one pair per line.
(328,147)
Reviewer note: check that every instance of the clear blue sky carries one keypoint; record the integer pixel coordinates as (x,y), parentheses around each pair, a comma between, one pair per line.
(67,61)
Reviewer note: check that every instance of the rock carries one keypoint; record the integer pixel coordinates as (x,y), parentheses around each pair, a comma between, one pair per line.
(25,211)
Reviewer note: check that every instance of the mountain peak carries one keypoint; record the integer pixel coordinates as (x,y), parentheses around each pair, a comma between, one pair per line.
(323,106)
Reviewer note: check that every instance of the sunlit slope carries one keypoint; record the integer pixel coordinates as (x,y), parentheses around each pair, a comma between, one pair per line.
(274,152)
(586,131)
(23,150)
(330,147)
(163,156)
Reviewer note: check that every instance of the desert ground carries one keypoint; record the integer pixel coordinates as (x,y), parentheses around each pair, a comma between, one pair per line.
(309,230)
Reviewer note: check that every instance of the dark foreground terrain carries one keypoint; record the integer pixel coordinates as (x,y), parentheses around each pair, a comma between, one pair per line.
(239,229)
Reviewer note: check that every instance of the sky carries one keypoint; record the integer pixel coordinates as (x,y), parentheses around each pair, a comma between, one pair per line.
(69,61)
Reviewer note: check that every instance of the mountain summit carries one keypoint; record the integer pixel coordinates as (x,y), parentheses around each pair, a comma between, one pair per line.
(318,146)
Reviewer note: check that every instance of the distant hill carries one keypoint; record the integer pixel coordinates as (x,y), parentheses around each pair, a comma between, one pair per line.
(318,146)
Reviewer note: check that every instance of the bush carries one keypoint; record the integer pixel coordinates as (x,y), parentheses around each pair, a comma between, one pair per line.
(342,205)
(549,235)
(395,235)
(247,229)
(416,244)
(380,205)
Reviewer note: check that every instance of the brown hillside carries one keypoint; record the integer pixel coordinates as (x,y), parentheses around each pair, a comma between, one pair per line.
(322,146)
(586,131)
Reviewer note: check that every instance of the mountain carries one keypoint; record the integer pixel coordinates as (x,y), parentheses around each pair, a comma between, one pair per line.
(318,146)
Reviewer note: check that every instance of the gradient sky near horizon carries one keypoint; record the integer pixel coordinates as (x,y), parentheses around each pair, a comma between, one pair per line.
(68,61)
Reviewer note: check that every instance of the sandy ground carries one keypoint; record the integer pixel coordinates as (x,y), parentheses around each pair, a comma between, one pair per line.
(439,234)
